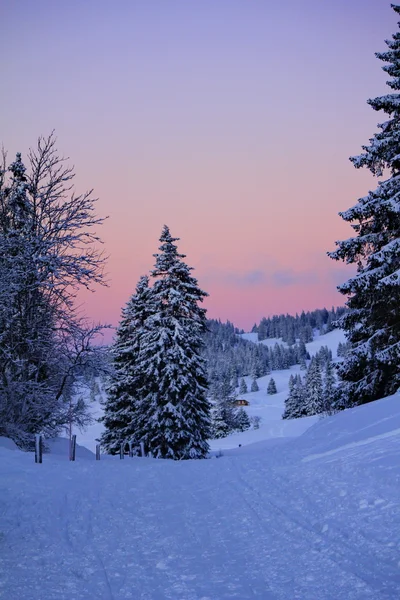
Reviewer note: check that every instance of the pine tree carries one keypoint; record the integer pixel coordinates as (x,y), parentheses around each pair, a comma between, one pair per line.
(314,392)
(271,389)
(254,386)
(242,420)
(243,387)
(295,402)
(175,410)
(329,391)
(122,408)
(371,368)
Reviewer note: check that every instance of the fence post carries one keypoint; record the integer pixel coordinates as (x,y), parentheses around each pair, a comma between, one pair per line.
(121,450)
(142,449)
(97,451)
(72,448)
(130,449)
(38,448)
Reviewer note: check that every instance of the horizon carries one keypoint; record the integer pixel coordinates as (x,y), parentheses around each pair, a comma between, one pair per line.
(231,122)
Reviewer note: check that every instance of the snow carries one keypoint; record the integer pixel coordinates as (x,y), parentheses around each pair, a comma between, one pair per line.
(315,517)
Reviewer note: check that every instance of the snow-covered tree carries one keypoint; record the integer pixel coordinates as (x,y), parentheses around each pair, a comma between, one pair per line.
(314,399)
(47,252)
(175,412)
(271,389)
(371,367)
(243,386)
(254,386)
(242,420)
(122,407)
(329,389)
(295,402)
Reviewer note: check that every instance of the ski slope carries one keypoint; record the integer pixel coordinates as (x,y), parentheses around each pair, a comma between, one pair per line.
(315,517)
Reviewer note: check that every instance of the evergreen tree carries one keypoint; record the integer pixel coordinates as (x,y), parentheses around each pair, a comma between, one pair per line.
(271,389)
(243,387)
(242,420)
(329,392)
(295,402)
(371,368)
(254,386)
(122,408)
(174,408)
(314,402)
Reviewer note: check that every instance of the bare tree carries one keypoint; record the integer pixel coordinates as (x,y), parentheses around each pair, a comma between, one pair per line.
(49,249)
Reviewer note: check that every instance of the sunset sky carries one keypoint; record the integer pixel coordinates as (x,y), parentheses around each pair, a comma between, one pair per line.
(229,120)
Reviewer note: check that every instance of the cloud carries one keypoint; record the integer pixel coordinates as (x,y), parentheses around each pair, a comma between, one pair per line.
(276,278)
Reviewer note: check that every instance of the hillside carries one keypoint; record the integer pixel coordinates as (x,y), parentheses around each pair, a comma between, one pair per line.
(315,517)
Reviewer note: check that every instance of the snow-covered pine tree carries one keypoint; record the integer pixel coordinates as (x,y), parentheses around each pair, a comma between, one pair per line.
(122,407)
(254,386)
(222,410)
(329,386)
(243,386)
(295,402)
(176,412)
(314,400)
(371,368)
(242,420)
(271,389)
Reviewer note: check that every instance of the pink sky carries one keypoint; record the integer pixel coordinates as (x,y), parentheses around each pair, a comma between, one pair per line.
(230,121)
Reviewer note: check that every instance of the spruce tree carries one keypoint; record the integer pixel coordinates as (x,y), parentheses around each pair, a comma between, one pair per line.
(371,368)
(174,407)
(314,401)
(295,402)
(271,389)
(242,420)
(122,408)
(254,386)
(243,387)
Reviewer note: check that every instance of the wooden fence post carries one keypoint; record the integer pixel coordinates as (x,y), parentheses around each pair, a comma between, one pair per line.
(97,451)
(121,450)
(38,448)
(72,448)
(142,449)
(130,449)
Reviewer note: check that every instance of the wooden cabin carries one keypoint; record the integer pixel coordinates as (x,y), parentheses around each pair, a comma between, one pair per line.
(241,402)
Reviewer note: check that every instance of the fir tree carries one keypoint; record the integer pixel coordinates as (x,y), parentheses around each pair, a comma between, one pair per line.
(174,407)
(295,402)
(329,387)
(122,408)
(254,386)
(314,392)
(371,368)
(243,387)
(242,420)
(271,389)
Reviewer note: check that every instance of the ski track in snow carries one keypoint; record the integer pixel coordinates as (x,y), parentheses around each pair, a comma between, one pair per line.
(313,515)
(264,525)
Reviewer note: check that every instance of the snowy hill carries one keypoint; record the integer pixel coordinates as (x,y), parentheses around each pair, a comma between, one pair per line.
(269,408)
(316,517)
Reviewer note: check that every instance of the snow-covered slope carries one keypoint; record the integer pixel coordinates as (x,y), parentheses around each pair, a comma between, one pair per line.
(311,518)
(269,408)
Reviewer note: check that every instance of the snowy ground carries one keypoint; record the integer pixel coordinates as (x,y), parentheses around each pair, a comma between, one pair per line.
(315,517)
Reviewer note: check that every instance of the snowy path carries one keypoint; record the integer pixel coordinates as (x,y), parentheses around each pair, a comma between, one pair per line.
(315,518)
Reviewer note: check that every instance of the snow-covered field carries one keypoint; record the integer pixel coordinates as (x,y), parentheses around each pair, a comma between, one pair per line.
(315,517)
(312,517)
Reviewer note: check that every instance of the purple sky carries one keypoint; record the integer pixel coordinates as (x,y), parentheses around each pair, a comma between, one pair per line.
(231,121)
